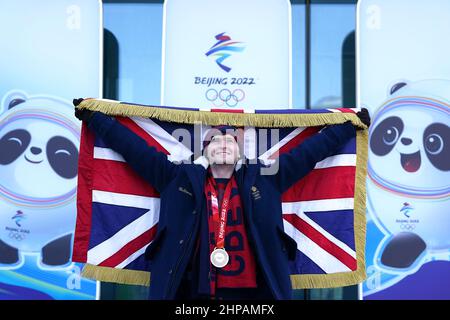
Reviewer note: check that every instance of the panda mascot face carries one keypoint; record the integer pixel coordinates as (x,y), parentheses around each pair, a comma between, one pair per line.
(409,147)
(38,146)
(39,138)
(409,166)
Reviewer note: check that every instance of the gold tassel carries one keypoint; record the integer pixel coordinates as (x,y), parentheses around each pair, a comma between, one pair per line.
(123,276)
(114,108)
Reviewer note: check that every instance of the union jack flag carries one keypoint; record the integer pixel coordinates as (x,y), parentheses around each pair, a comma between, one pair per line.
(118,211)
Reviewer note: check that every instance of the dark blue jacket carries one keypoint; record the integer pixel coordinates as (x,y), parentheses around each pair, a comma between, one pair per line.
(181,188)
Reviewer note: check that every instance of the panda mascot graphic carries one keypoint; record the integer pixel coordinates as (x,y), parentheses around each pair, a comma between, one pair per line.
(408,184)
(38,176)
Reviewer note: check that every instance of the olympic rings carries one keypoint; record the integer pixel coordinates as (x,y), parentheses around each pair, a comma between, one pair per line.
(16,236)
(225,95)
(407,226)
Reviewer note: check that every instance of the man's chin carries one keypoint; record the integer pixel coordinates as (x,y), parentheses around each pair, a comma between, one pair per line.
(223,162)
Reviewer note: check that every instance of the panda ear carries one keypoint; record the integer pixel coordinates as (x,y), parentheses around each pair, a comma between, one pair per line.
(15,102)
(12,99)
(395,87)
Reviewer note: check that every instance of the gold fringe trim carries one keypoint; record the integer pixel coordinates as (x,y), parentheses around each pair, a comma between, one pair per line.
(115,108)
(340,279)
(124,276)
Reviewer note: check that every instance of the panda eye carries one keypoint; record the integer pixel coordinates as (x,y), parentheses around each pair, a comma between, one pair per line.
(436,140)
(62,155)
(434,143)
(62,151)
(13,144)
(385,135)
(16,140)
(390,136)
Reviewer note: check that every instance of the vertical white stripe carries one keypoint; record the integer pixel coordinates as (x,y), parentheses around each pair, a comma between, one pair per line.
(250,151)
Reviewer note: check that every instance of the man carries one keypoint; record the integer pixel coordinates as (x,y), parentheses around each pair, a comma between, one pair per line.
(220,231)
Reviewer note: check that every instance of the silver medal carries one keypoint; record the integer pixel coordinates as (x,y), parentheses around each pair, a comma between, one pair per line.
(219,258)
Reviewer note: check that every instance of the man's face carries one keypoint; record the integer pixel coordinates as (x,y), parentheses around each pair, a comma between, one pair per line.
(223,149)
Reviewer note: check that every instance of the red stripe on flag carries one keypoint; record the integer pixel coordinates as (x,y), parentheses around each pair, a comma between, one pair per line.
(84,196)
(131,247)
(119,177)
(295,141)
(130,124)
(321,240)
(326,183)
(345,110)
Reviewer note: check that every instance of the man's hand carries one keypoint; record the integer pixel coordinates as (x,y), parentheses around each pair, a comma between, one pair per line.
(82,114)
(364,116)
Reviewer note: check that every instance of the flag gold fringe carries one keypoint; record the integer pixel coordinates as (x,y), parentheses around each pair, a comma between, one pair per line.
(340,279)
(124,276)
(168,114)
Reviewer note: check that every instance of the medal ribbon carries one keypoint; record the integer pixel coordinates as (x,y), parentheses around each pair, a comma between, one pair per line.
(220,220)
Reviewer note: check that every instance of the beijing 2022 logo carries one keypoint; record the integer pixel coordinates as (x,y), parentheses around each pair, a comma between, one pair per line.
(224,91)
(223,49)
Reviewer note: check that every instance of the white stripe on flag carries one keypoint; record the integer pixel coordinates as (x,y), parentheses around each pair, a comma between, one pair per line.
(334,110)
(177,151)
(339,111)
(327,262)
(318,205)
(339,160)
(250,151)
(126,200)
(324,233)
(107,154)
(109,247)
(108,100)
(266,155)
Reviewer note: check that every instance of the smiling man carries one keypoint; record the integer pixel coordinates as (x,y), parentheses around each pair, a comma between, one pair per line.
(222,150)
(220,231)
